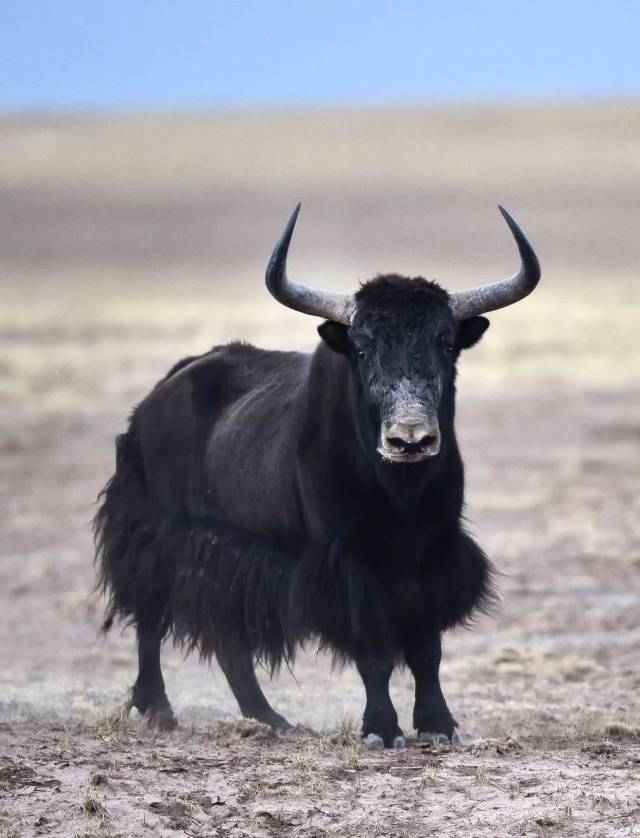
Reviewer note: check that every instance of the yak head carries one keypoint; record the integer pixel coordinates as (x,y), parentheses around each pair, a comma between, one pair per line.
(402,345)
(402,338)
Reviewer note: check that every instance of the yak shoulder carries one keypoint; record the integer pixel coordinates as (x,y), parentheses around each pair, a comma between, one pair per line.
(173,423)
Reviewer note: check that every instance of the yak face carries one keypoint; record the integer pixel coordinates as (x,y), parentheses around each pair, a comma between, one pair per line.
(402,346)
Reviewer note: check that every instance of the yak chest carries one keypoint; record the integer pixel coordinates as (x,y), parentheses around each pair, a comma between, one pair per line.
(412,576)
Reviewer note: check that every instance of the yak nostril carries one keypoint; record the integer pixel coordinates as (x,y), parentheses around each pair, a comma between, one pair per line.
(426,441)
(411,446)
(411,439)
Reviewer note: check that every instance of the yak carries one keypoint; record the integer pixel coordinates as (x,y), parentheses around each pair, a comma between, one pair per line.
(265,499)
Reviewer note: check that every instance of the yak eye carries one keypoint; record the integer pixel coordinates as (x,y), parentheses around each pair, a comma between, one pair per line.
(446,344)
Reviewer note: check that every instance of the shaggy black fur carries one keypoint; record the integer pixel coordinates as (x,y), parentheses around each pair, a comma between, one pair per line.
(250,511)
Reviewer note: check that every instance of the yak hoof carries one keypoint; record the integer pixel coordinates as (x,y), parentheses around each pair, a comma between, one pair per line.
(375,742)
(277,723)
(160,720)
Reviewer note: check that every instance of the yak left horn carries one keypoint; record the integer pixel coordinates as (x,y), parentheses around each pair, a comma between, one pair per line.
(505,292)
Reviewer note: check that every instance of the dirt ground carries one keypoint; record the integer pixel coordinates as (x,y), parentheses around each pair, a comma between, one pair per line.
(546,690)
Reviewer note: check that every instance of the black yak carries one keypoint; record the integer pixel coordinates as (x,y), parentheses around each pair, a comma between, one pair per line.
(264,499)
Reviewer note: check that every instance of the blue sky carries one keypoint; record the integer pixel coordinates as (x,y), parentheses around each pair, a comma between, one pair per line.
(196,53)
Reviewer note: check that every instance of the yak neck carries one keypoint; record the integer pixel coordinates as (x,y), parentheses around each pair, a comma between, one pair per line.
(332,418)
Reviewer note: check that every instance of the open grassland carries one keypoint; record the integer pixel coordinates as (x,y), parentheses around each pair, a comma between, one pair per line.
(92,339)
(128,242)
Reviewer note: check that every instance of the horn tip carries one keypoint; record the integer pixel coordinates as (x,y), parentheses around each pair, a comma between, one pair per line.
(291,223)
(512,224)
(288,230)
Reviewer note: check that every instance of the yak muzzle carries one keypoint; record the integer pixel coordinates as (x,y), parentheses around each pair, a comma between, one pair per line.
(410,440)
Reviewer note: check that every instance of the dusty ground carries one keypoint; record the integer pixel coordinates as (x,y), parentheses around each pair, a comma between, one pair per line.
(113,264)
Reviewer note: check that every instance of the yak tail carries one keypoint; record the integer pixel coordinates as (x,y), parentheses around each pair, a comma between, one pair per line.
(133,572)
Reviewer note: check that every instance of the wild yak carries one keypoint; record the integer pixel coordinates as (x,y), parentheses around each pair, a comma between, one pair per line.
(264,499)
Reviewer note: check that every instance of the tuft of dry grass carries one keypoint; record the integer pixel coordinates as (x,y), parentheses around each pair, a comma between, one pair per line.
(115,726)
(500,739)
(348,730)
(240,728)
(621,730)
(310,772)
(429,777)
(346,744)
(92,806)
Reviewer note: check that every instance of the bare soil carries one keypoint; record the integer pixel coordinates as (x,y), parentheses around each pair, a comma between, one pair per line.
(546,690)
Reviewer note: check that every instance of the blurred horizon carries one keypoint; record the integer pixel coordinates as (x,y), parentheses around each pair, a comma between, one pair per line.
(151,153)
(64,55)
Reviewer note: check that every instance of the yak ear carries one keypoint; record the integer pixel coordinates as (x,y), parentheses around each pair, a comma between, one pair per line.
(335,335)
(471,330)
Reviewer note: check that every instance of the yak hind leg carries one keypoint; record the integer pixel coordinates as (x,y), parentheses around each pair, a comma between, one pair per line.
(240,674)
(148,694)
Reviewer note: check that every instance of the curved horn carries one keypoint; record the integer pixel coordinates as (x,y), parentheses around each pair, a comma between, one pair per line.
(331,306)
(506,291)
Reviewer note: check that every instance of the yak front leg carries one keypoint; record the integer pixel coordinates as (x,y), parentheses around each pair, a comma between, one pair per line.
(431,716)
(380,721)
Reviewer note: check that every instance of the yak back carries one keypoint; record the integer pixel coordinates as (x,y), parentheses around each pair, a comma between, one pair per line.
(218,438)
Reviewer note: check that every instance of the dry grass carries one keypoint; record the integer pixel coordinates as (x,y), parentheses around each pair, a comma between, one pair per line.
(552,339)
(311,772)
(619,730)
(240,728)
(114,726)
(93,814)
(93,804)
(346,744)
